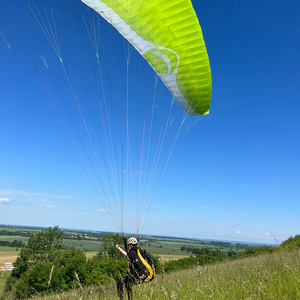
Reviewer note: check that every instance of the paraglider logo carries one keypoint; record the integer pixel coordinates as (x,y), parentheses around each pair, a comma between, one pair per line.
(165,61)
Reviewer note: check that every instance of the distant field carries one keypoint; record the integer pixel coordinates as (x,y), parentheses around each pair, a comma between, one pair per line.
(93,246)
(4,248)
(167,257)
(8,256)
(10,252)
(170,246)
(162,251)
(165,244)
(17,229)
(177,244)
(176,241)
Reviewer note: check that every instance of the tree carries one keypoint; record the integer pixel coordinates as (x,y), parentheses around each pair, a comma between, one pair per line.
(44,246)
(17,244)
(109,242)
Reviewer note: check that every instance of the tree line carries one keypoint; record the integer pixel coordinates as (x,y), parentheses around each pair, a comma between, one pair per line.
(15,244)
(16,233)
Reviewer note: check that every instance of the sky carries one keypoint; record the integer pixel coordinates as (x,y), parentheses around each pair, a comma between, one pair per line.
(234,175)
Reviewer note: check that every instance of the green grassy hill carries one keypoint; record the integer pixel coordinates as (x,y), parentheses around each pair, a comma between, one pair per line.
(271,276)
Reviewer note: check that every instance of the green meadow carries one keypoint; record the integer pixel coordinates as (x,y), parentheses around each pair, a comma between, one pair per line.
(93,246)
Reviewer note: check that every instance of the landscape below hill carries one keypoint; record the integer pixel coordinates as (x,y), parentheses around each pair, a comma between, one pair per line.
(186,269)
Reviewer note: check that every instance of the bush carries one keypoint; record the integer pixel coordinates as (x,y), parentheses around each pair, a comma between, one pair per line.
(44,251)
(291,242)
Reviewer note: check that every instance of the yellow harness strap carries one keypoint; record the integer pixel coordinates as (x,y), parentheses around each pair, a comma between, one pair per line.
(147,266)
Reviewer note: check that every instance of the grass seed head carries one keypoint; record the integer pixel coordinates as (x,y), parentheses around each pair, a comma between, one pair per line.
(178,282)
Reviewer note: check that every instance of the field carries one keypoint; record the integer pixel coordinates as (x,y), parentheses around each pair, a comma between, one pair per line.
(11,238)
(177,243)
(164,246)
(163,251)
(93,246)
(16,228)
(8,256)
(4,248)
(274,276)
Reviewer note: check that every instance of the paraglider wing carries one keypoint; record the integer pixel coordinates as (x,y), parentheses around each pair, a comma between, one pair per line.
(168,35)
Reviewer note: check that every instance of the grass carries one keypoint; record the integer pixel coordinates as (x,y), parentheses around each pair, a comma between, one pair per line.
(3,277)
(267,277)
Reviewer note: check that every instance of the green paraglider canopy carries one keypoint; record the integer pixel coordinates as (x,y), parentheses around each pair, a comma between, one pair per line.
(168,35)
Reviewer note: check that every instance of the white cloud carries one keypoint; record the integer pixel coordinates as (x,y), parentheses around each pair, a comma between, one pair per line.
(266,236)
(220,232)
(4,200)
(103,210)
(14,193)
(238,232)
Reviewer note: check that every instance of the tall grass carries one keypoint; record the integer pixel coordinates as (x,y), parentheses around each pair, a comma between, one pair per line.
(272,276)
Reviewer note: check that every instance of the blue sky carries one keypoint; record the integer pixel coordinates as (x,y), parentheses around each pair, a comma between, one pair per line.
(233,176)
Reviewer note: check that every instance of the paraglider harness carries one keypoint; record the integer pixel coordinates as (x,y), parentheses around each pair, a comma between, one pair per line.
(141,270)
(142,266)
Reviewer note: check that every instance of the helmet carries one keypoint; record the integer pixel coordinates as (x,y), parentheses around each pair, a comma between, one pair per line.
(132,241)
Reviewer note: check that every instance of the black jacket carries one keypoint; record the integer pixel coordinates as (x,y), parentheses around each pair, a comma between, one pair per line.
(138,266)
